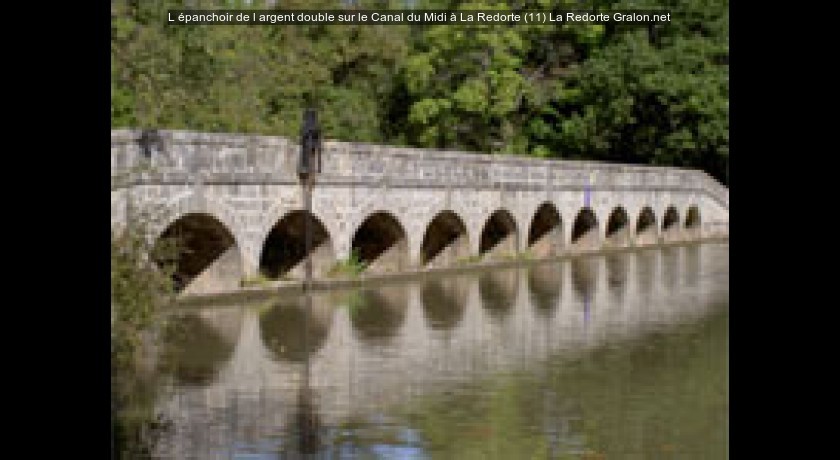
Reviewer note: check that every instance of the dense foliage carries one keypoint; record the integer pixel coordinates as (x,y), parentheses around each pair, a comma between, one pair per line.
(606,92)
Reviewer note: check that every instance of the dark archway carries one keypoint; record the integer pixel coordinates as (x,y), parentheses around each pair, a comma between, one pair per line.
(671,225)
(618,228)
(201,253)
(284,250)
(497,290)
(444,301)
(692,223)
(499,237)
(545,236)
(445,241)
(585,230)
(380,243)
(646,229)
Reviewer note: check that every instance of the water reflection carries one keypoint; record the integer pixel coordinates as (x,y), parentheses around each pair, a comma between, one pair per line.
(289,334)
(366,374)
(444,301)
(498,289)
(196,346)
(545,285)
(377,314)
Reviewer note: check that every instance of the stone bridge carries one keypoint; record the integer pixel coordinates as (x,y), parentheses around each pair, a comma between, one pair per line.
(235,204)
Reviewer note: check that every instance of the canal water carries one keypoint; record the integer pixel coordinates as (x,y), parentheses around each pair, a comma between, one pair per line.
(619,355)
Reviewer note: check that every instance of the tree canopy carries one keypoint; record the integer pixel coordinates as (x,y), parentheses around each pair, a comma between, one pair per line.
(614,92)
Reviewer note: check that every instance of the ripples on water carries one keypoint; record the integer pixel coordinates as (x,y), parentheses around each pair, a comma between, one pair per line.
(620,355)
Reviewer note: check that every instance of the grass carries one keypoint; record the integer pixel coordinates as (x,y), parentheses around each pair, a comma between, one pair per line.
(258,280)
(351,267)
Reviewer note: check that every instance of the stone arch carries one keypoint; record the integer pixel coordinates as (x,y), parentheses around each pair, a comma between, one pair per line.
(647,231)
(584,234)
(202,252)
(545,234)
(617,233)
(445,240)
(500,235)
(693,222)
(284,249)
(671,224)
(381,244)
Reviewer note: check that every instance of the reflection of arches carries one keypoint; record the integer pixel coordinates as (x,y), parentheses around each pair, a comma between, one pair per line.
(284,334)
(692,222)
(617,267)
(584,277)
(545,236)
(207,259)
(692,264)
(646,230)
(377,314)
(445,240)
(618,228)
(670,266)
(497,290)
(444,301)
(671,224)
(193,350)
(499,235)
(544,285)
(585,230)
(646,273)
(284,250)
(381,244)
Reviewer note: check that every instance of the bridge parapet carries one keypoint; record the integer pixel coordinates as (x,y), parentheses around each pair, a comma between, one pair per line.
(189,157)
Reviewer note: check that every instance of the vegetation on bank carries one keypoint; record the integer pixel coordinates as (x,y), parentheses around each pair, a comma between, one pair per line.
(615,92)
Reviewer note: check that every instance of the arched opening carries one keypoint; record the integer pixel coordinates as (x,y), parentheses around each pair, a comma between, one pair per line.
(585,231)
(380,243)
(289,334)
(692,223)
(545,236)
(377,314)
(646,231)
(671,225)
(497,290)
(284,251)
(444,301)
(618,228)
(545,285)
(445,241)
(201,253)
(500,236)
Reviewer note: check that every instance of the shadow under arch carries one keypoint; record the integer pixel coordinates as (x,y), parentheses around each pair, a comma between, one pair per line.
(671,225)
(377,314)
(545,286)
(647,231)
(497,290)
(381,243)
(617,233)
(292,334)
(585,231)
(445,241)
(202,254)
(545,235)
(692,222)
(284,249)
(193,350)
(444,301)
(500,236)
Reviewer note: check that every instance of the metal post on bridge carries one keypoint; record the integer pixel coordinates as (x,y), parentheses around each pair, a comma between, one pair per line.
(309,164)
